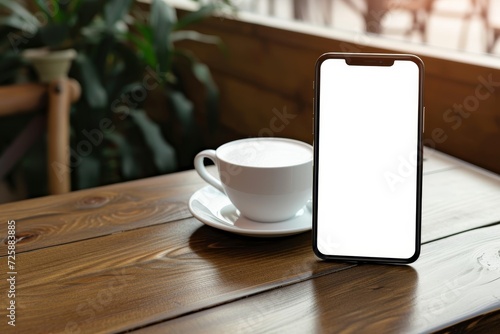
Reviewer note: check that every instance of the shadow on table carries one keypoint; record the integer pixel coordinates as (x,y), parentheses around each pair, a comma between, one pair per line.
(341,296)
(250,261)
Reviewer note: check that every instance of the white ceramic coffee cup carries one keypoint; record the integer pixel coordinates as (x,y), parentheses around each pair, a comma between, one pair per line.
(266,179)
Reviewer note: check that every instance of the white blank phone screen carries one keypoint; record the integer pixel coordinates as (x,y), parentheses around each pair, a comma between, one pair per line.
(367,163)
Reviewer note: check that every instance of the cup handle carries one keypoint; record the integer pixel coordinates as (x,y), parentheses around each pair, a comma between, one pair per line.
(202,170)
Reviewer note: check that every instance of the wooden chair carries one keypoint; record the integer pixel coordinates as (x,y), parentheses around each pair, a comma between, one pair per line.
(57,97)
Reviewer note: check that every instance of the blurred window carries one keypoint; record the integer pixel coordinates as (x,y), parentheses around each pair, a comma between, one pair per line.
(463,25)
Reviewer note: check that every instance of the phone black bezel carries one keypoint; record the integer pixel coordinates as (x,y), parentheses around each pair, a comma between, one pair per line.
(368,59)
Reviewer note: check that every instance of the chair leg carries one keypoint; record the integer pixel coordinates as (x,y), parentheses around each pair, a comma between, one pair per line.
(59,97)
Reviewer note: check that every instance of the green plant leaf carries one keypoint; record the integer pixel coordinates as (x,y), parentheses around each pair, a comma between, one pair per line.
(60,12)
(182,107)
(21,12)
(87,11)
(51,10)
(163,153)
(197,16)
(17,22)
(202,73)
(101,54)
(143,43)
(125,103)
(129,167)
(116,10)
(92,88)
(126,69)
(162,20)
(73,6)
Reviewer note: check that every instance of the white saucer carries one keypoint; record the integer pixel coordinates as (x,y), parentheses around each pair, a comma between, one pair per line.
(213,208)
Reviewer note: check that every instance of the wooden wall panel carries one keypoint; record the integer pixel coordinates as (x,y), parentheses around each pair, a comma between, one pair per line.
(276,67)
(266,113)
(267,67)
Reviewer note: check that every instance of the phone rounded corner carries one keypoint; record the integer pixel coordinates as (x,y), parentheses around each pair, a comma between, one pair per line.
(414,257)
(321,59)
(417,60)
(318,253)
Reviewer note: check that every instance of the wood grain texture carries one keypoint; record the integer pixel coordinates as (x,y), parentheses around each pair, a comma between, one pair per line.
(456,200)
(58,143)
(125,256)
(482,324)
(435,161)
(452,200)
(455,279)
(127,280)
(271,115)
(18,99)
(48,221)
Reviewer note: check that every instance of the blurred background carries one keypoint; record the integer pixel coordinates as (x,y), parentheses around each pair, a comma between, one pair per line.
(162,80)
(462,25)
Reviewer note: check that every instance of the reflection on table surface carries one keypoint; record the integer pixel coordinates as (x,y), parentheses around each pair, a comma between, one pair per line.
(131,257)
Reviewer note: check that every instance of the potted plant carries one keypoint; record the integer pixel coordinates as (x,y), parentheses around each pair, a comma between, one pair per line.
(124,52)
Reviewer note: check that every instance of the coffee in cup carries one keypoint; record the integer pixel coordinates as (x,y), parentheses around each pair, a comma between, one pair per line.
(267,179)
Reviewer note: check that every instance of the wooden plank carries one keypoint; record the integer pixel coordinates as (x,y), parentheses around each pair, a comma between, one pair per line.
(435,161)
(302,36)
(94,284)
(53,220)
(279,59)
(461,124)
(275,67)
(482,324)
(129,279)
(455,279)
(58,140)
(304,45)
(457,200)
(18,99)
(453,201)
(265,115)
(460,197)
(30,97)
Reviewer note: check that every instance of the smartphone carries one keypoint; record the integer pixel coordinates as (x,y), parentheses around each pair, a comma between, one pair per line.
(368,125)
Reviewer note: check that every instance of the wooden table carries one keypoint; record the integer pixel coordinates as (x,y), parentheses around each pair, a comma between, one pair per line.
(130,257)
